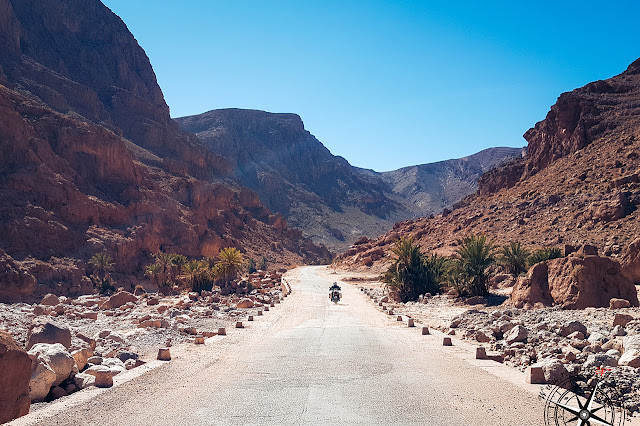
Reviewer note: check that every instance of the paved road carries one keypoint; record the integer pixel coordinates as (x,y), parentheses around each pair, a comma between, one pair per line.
(309,362)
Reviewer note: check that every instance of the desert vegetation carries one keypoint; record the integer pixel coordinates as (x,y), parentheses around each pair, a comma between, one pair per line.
(466,273)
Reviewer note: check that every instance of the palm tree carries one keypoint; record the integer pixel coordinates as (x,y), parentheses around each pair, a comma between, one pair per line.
(408,276)
(474,255)
(103,264)
(193,270)
(164,261)
(514,258)
(229,263)
(153,272)
(176,264)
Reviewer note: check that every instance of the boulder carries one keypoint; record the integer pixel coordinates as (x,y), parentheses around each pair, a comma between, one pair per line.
(573,327)
(630,358)
(81,357)
(631,342)
(619,303)
(600,360)
(15,375)
(57,358)
(42,378)
(57,392)
(574,283)
(45,331)
(516,334)
(622,319)
(552,369)
(245,303)
(84,380)
(119,299)
(50,300)
(631,261)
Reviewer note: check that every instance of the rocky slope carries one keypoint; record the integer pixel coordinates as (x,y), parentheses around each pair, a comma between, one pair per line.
(331,201)
(578,184)
(430,188)
(92,162)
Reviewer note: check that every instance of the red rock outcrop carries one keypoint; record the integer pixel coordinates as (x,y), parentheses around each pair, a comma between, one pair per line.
(574,283)
(15,374)
(91,161)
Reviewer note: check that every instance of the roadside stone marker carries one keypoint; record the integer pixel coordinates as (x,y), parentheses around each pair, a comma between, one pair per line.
(481,353)
(239,324)
(425,331)
(164,354)
(410,323)
(399,318)
(259,313)
(250,318)
(222,331)
(446,341)
(535,375)
(266,309)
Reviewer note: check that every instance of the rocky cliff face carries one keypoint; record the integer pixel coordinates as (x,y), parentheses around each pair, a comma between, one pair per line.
(579,184)
(322,194)
(92,162)
(577,119)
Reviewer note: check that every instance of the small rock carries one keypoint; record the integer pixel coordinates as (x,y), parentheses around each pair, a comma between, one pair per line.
(516,334)
(572,327)
(57,392)
(83,380)
(622,319)
(50,300)
(619,331)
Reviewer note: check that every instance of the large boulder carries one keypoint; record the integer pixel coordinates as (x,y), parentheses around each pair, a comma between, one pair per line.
(15,374)
(119,299)
(57,358)
(245,303)
(42,378)
(46,331)
(553,370)
(574,283)
(631,261)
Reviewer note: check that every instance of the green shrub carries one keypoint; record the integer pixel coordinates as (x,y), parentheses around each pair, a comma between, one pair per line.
(251,265)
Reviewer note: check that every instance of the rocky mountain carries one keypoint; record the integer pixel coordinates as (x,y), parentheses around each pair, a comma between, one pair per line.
(579,183)
(333,202)
(430,188)
(91,160)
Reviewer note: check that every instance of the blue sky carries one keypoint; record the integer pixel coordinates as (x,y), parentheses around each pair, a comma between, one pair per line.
(385,84)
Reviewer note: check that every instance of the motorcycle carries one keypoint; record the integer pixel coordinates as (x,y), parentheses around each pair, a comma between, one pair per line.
(334,293)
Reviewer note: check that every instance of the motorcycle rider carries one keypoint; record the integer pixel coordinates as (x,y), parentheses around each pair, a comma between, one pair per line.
(334,289)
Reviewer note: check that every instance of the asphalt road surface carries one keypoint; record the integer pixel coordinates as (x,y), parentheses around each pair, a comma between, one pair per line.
(311,362)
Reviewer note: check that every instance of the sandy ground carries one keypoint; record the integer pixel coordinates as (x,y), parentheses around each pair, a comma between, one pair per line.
(309,361)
